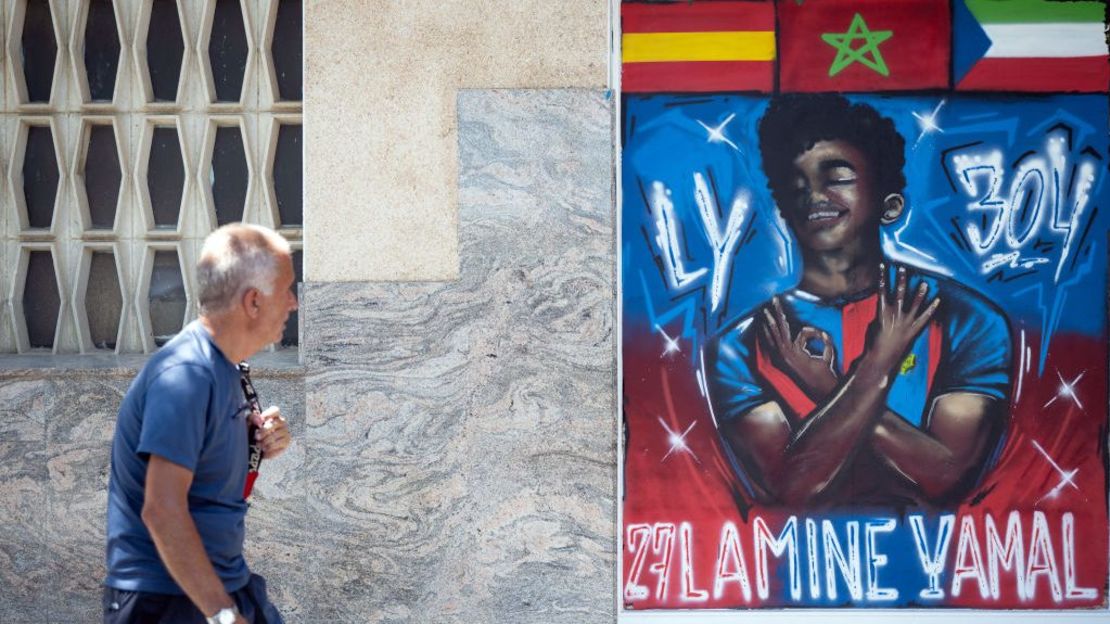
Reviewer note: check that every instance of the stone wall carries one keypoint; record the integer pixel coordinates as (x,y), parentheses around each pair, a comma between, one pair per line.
(456,452)
(56,428)
(380,122)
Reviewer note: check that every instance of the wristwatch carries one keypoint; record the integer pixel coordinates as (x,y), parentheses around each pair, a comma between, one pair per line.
(223,616)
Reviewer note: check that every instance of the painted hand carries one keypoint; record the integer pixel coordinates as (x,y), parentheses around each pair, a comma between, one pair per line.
(273,432)
(897,325)
(815,372)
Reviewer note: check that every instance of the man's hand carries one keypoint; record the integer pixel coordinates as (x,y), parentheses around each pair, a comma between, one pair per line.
(817,373)
(896,326)
(273,433)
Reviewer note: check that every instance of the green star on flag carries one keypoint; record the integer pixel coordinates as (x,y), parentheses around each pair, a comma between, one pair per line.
(846,55)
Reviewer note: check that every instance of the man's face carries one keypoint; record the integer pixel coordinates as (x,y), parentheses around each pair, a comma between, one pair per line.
(282,300)
(833,201)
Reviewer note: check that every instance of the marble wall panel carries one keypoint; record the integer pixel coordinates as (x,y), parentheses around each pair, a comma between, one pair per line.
(23,511)
(454,448)
(380,153)
(461,452)
(78,448)
(56,427)
(276,546)
(25,407)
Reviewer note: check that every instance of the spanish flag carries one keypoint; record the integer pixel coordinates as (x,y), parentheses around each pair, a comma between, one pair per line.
(698,46)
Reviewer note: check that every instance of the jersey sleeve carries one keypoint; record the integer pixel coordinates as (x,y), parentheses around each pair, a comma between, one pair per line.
(175,415)
(979,351)
(732,385)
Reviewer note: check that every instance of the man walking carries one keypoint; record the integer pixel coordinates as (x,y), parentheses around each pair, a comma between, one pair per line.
(176,499)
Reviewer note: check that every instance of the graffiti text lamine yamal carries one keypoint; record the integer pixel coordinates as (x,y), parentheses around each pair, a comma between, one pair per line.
(1022,553)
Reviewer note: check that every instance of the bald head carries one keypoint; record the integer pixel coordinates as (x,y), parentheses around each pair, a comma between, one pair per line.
(236,258)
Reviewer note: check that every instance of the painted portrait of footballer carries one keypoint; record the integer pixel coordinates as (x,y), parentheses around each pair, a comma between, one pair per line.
(871,382)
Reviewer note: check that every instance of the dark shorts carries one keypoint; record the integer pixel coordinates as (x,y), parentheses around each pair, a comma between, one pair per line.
(132,607)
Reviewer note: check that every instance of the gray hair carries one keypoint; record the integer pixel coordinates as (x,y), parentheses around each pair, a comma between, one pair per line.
(235,258)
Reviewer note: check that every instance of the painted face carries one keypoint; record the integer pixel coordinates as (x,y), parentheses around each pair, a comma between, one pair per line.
(833,201)
(280,303)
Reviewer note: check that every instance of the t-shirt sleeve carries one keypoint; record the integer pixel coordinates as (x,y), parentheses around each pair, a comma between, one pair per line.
(731,381)
(979,352)
(175,413)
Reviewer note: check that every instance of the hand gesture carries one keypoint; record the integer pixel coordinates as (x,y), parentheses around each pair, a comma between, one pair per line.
(273,433)
(897,325)
(815,372)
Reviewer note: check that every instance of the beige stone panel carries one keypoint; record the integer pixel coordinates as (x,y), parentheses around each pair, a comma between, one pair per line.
(381,145)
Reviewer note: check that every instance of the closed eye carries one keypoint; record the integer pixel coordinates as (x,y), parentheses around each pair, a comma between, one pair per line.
(838,172)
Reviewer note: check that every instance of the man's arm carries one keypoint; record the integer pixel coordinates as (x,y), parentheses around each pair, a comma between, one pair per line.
(942,459)
(166,516)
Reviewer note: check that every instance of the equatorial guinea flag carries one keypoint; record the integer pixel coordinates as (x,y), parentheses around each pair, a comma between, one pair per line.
(697,46)
(863,45)
(1030,45)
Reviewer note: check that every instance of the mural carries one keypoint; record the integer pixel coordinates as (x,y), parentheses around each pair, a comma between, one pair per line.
(863,271)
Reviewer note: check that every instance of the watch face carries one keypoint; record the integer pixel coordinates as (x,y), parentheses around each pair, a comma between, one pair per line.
(225,616)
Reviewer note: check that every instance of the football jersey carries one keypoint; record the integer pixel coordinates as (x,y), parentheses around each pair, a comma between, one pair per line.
(966,347)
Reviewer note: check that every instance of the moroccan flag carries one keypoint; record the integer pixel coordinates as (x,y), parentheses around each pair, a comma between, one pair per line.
(697,47)
(1030,45)
(863,45)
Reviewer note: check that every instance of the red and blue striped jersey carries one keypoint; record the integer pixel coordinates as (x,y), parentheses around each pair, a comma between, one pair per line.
(966,347)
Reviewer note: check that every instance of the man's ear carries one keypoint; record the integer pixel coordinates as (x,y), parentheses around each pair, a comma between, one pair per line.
(252,302)
(893,205)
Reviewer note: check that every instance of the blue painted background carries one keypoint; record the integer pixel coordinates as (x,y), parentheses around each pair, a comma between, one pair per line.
(666,139)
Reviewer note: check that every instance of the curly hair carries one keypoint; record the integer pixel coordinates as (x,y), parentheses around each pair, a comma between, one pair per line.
(794,123)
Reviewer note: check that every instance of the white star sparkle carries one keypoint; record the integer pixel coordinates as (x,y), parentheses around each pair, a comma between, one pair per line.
(928,122)
(1067,390)
(1067,477)
(672,345)
(717,135)
(677,441)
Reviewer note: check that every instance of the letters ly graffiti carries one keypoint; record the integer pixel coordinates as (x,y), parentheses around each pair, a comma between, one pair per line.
(863,272)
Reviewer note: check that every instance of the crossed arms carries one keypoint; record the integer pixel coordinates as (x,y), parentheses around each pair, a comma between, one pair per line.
(795,463)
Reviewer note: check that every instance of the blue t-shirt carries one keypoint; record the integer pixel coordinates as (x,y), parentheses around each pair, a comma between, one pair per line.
(187,406)
(966,347)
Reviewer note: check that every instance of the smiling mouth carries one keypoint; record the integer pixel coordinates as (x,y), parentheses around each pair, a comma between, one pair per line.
(825,215)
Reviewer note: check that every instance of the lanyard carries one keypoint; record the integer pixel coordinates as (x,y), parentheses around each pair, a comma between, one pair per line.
(254,450)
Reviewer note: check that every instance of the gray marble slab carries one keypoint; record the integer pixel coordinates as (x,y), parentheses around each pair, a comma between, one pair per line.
(276,545)
(460,461)
(26,405)
(56,428)
(78,448)
(454,445)
(23,512)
